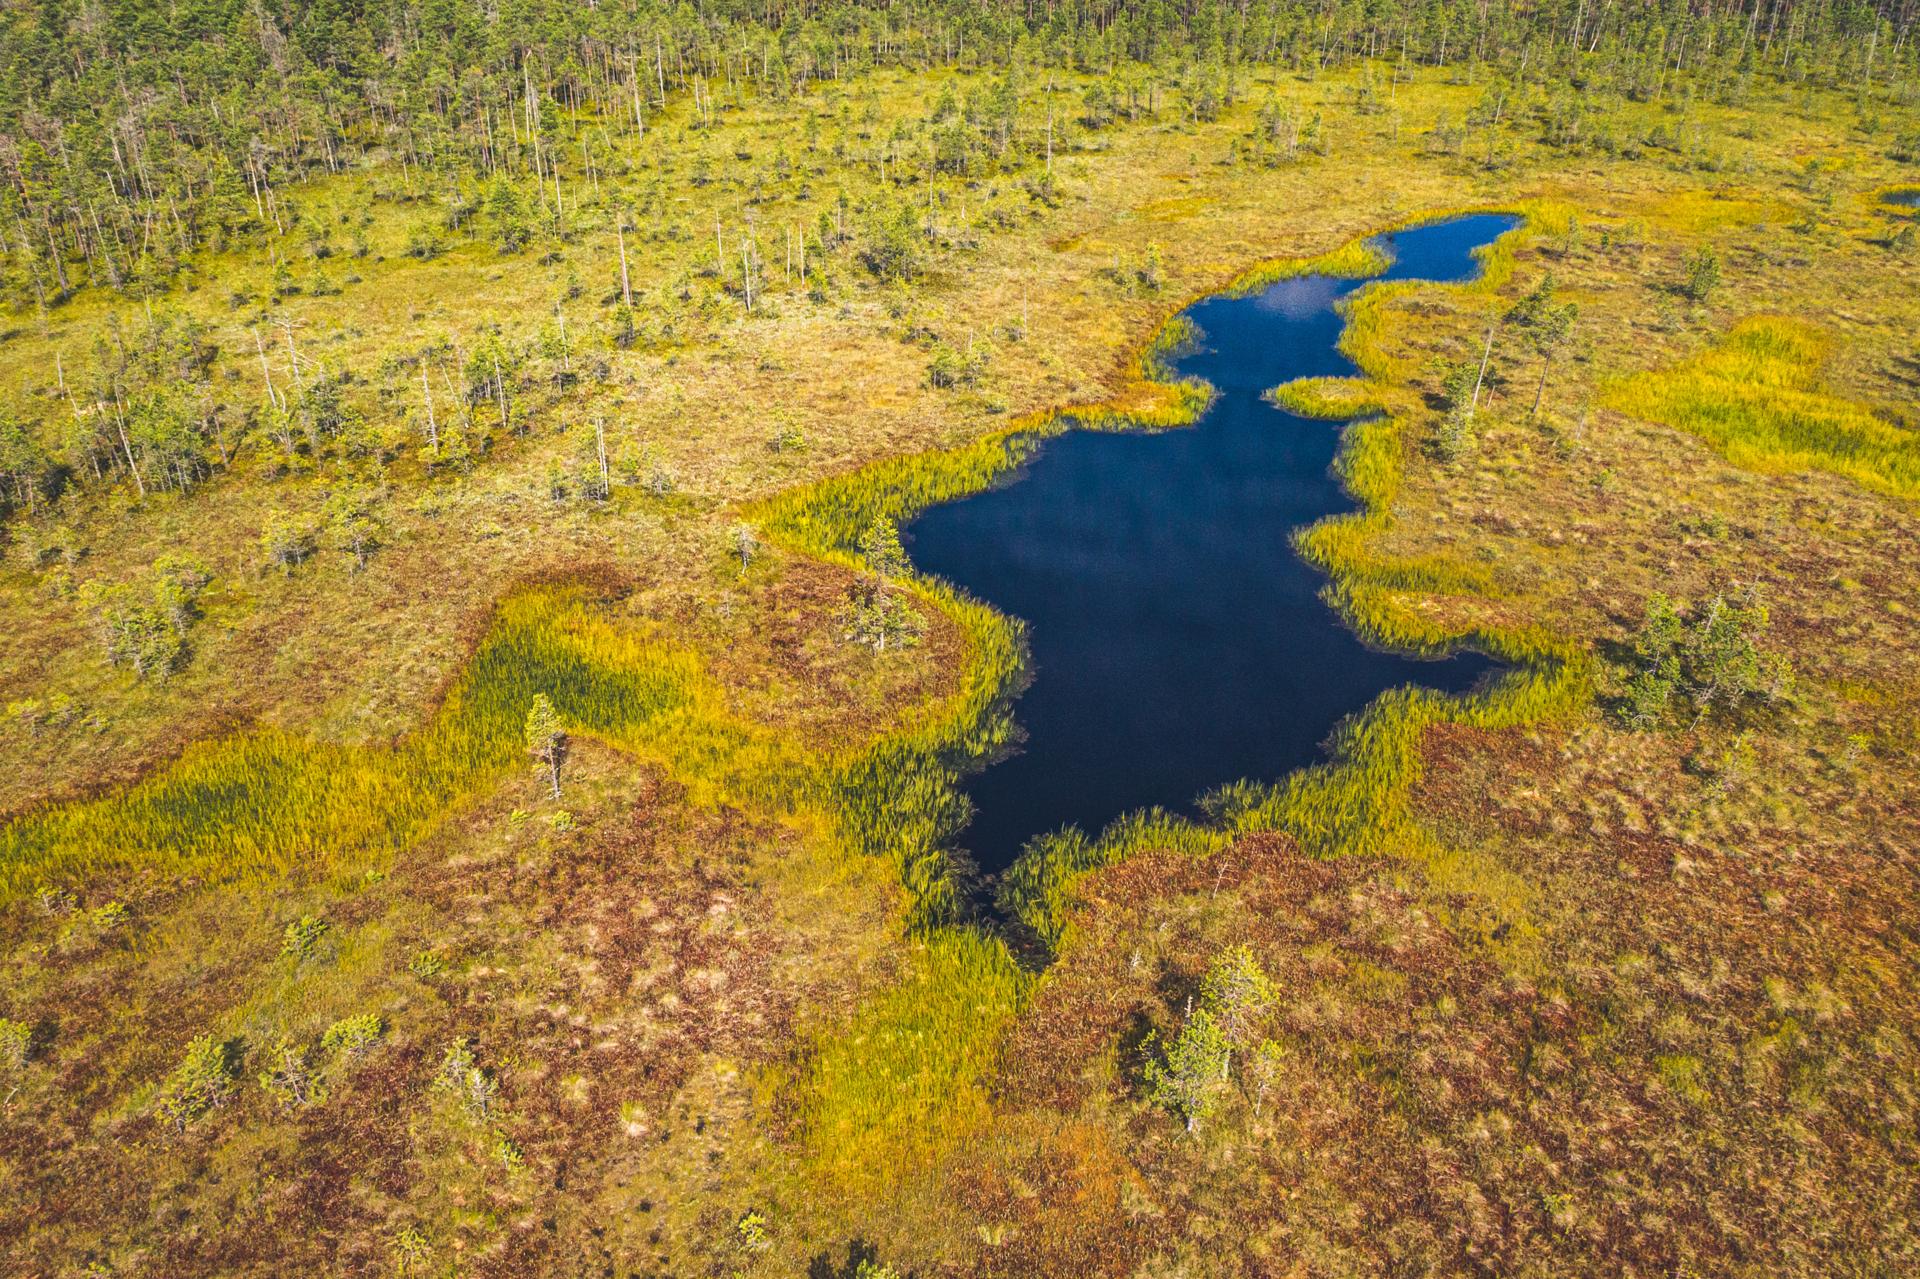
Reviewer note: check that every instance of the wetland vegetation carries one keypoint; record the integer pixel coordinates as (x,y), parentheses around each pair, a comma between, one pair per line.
(536,538)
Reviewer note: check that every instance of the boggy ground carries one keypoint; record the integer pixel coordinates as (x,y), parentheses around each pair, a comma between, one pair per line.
(1620,1008)
(1631,1002)
(623,966)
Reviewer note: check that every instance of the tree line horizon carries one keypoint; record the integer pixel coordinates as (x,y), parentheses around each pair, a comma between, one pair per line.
(134,134)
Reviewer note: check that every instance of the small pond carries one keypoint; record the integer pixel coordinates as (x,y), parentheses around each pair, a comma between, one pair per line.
(1178,642)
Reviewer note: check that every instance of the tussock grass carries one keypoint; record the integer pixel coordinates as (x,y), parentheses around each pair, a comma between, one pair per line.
(1758,399)
(911,1076)
(1354,260)
(898,798)
(1360,802)
(1327,398)
(1040,888)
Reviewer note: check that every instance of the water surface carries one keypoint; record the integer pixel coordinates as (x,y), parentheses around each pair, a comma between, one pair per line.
(1178,642)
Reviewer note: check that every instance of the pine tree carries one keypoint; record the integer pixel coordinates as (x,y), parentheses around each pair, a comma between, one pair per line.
(546,740)
(1189,1078)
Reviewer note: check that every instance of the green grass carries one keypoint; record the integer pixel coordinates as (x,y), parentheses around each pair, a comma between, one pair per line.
(1330,399)
(909,1076)
(1354,260)
(1758,399)
(1896,199)
(270,803)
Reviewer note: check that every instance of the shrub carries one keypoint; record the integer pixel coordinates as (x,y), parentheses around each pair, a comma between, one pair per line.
(302,936)
(461,1078)
(546,740)
(752,1231)
(286,541)
(1454,437)
(880,547)
(1702,273)
(878,617)
(1263,1070)
(512,224)
(1237,990)
(16,1044)
(660,481)
(148,637)
(352,1037)
(289,1077)
(423,241)
(1236,999)
(410,1250)
(1710,656)
(355,526)
(1145,274)
(746,544)
(1189,1077)
(178,581)
(33,714)
(892,244)
(953,367)
(98,925)
(201,1083)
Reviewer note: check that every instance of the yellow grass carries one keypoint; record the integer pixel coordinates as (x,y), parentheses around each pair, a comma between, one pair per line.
(1757,396)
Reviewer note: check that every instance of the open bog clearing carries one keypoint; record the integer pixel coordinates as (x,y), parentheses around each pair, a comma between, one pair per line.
(959,641)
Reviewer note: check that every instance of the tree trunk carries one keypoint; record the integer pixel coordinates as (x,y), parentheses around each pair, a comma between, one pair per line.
(600,446)
(626,288)
(132,466)
(500,390)
(433,428)
(1481,377)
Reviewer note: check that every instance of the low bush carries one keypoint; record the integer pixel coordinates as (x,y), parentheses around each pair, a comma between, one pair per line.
(351,1038)
(16,1044)
(201,1083)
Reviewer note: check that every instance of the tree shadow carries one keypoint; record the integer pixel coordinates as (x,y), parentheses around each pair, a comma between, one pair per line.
(863,1262)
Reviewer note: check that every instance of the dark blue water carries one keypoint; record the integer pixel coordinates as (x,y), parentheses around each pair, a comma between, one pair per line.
(1909,198)
(1178,642)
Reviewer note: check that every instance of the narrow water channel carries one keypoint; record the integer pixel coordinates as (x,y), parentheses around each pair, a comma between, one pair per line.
(1178,642)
